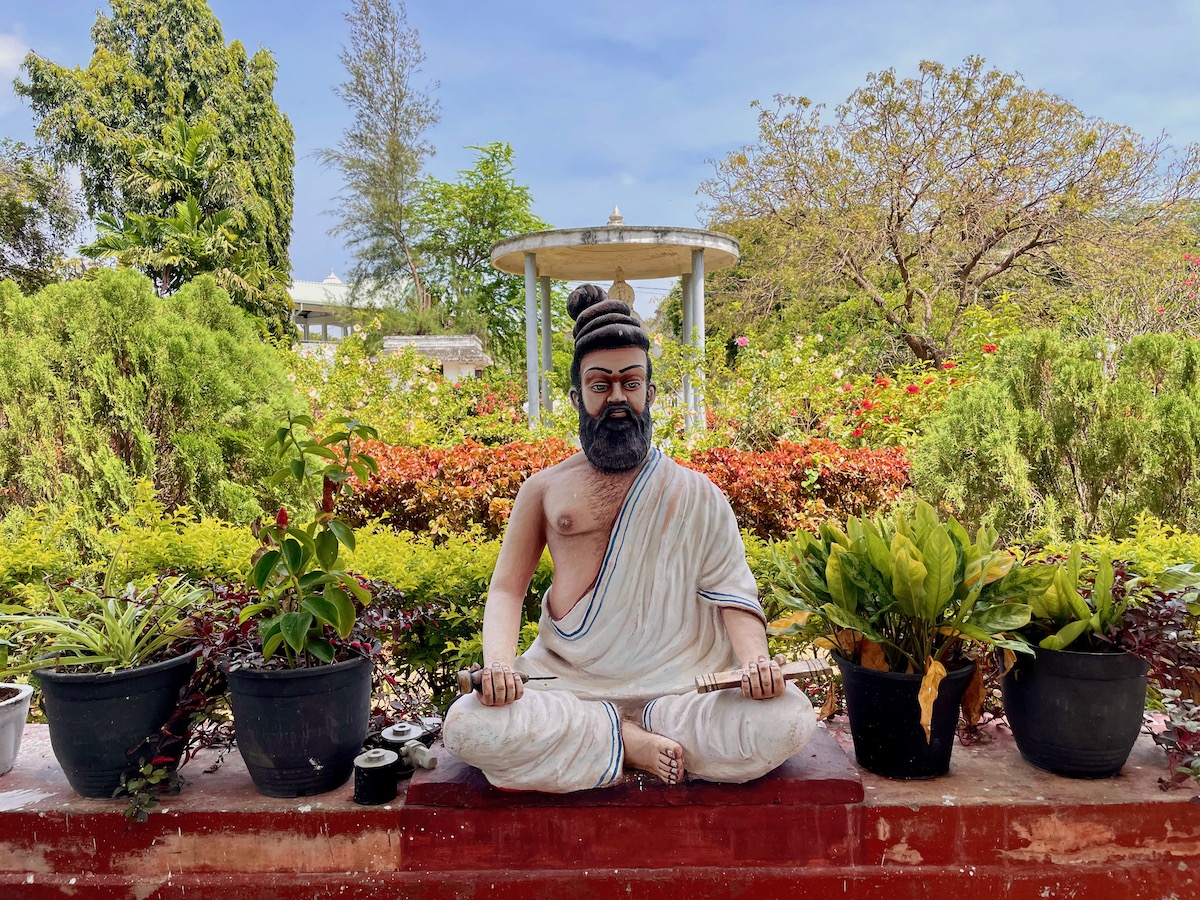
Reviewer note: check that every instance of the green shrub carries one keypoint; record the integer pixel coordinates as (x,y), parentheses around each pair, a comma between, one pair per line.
(103,383)
(150,539)
(444,587)
(1071,438)
(138,546)
(35,544)
(1150,547)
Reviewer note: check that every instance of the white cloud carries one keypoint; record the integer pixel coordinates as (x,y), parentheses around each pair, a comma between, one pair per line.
(12,51)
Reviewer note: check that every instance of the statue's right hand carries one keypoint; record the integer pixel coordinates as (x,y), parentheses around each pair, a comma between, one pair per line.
(499,685)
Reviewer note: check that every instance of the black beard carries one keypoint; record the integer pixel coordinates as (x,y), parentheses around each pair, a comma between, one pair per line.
(615,445)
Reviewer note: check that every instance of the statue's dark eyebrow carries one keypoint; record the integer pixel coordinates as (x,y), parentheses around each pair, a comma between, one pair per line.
(609,371)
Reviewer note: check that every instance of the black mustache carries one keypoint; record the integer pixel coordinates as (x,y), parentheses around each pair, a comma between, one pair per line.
(609,409)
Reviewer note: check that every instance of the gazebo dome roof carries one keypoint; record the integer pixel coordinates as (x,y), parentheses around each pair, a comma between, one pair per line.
(593,254)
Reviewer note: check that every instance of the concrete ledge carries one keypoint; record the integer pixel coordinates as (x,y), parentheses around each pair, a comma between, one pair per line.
(994,824)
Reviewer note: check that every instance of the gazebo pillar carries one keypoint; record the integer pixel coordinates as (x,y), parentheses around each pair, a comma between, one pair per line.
(685,286)
(531,335)
(697,285)
(547,359)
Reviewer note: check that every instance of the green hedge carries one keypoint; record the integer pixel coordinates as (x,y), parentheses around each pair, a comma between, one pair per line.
(103,383)
(1071,438)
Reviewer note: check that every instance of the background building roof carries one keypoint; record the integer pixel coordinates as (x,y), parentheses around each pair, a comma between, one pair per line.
(462,348)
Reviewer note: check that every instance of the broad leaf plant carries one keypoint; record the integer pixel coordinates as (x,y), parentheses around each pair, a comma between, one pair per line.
(306,597)
(905,595)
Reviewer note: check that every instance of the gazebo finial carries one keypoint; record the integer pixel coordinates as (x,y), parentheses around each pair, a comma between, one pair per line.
(616,217)
(621,289)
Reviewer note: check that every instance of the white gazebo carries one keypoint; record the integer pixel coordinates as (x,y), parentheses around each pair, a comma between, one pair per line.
(613,253)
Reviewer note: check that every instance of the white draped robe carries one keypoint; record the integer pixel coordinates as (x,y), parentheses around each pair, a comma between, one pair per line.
(631,648)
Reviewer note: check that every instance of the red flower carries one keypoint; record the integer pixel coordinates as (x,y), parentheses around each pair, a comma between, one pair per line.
(913,389)
(883,382)
(281,518)
(929,381)
(857,432)
(989,348)
(949,365)
(847,387)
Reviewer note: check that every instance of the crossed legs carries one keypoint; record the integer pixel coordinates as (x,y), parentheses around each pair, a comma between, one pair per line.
(553,741)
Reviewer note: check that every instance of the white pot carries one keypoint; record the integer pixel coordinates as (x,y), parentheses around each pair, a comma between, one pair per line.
(13,713)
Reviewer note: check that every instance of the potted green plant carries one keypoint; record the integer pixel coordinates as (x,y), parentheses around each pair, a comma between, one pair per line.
(301,702)
(1075,706)
(898,603)
(110,667)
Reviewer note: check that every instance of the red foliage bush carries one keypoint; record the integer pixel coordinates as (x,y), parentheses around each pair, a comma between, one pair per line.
(445,490)
(793,486)
(429,490)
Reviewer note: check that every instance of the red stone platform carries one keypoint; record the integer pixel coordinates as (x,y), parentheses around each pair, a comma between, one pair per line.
(994,827)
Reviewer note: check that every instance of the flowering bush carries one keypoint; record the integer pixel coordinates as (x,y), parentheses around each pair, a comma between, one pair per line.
(406,395)
(802,391)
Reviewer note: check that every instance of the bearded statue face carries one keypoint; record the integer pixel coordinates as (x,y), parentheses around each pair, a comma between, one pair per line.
(613,401)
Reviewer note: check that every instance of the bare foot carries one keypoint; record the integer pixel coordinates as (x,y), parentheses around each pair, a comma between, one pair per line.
(652,753)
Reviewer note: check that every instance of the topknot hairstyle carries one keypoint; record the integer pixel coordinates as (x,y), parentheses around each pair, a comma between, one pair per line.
(602,324)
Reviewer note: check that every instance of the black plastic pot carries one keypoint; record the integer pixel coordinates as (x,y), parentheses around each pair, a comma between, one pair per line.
(98,723)
(1075,714)
(885,720)
(298,730)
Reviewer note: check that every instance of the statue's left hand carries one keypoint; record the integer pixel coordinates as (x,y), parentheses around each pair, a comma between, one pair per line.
(762,678)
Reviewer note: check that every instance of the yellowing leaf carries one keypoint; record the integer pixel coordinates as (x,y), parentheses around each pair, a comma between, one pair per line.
(829,707)
(999,564)
(1010,660)
(848,641)
(873,657)
(972,702)
(800,617)
(934,673)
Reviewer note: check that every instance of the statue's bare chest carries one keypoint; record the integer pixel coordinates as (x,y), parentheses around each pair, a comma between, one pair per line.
(582,503)
(580,509)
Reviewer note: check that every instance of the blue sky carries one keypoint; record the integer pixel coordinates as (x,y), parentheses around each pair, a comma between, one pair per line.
(625,102)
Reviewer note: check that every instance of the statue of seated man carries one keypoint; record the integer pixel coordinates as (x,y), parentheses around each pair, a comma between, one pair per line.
(651,588)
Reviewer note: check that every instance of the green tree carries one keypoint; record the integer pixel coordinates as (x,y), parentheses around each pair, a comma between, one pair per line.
(382,151)
(155,62)
(202,228)
(459,223)
(922,193)
(38,216)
